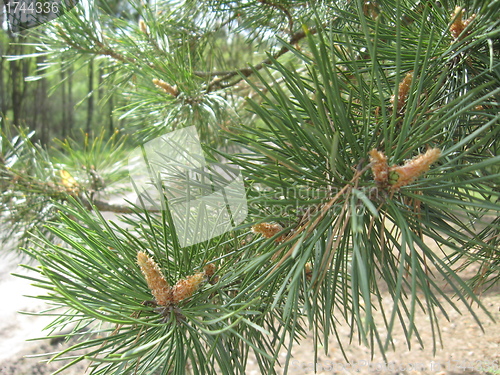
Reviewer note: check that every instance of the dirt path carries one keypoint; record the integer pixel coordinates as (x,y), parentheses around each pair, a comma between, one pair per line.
(466,348)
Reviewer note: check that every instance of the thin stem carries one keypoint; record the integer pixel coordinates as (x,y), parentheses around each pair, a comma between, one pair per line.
(248,71)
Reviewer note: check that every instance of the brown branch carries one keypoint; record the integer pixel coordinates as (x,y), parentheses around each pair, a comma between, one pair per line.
(106,51)
(200,73)
(106,207)
(307,225)
(248,71)
(216,83)
(283,9)
(109,52)
(15,181)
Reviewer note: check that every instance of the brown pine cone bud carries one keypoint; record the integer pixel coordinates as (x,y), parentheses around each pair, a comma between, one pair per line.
(156,281)
(380,168)
(414,168)
(172,90)
(268,230)
(185,288)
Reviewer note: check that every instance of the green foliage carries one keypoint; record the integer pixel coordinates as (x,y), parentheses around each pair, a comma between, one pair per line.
(33,179)
(345,78)
(97,278)
(315,140)
(97,163)
(27,182)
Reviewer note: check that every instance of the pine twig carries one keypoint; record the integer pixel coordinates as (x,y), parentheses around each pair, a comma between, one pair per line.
(248,71)
(284,10)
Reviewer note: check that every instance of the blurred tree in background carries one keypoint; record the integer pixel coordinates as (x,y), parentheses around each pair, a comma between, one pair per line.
(364,131)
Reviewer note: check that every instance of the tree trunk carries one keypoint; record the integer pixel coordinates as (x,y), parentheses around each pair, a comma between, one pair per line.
(70,107)
(111,123)
(42,107)
(16,83)
(90,107)
(3,91)
(64,120)
(100,75)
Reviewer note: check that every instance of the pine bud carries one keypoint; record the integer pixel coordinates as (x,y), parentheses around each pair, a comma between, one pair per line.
(379,166)
(404,88)
(185,288)
(143,27)
(60,29)
(308,270)
(172,90)
(268,230)
(458,25)
(413,168)
(209,269)
(156,281)
(69,182)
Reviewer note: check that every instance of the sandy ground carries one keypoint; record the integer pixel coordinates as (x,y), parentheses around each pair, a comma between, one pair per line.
(466,348)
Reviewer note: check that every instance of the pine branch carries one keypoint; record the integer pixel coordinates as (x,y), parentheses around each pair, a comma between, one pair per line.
(217,83)
(285,11)
(104,50)
(28,185)
(108,207)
